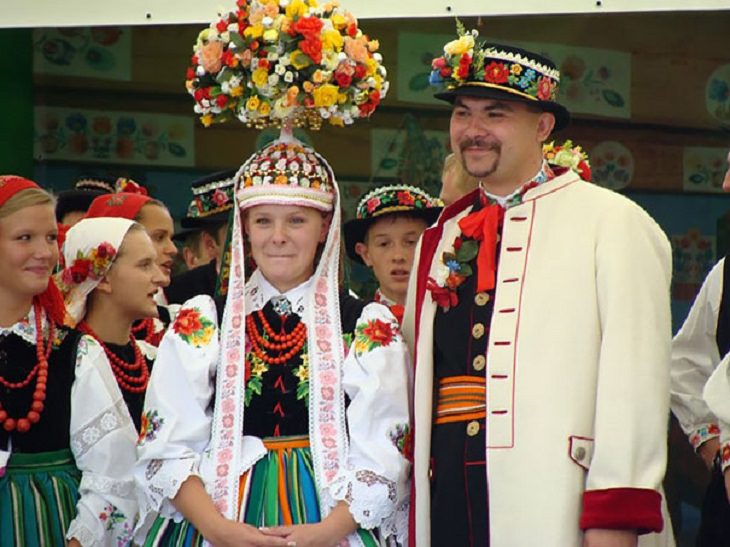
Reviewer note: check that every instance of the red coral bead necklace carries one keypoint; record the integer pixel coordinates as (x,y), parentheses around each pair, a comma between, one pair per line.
(39,372)
(132,384)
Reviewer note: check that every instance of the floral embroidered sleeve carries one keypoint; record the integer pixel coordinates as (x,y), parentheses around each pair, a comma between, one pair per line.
(176,421)
(695,356)
(374,482)
(103,442)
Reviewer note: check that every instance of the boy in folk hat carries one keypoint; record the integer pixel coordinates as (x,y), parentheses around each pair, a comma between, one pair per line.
(540,328)
(384,234)
(207,224)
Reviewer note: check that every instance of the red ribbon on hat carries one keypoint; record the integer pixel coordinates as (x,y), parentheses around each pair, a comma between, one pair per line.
(482,226)
(120,205)
(11,185)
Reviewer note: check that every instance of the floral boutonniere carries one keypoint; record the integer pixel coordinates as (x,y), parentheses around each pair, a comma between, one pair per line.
(452,272)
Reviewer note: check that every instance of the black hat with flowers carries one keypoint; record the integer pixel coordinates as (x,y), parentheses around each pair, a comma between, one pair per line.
(212,201)
(84,191)
(493,71)
(385,201)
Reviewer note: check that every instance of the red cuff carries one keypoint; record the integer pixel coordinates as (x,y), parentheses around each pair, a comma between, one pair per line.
(622,509)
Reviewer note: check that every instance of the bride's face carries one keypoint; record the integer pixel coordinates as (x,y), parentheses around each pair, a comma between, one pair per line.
(284,241)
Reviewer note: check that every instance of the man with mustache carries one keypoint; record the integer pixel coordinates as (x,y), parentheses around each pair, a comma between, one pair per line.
(538,316)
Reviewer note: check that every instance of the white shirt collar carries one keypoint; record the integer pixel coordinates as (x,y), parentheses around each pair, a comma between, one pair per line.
(25,328)
(259,291)
(540,177)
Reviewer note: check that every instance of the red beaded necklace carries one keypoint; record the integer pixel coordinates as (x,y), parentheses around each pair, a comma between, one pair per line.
(289,343)
(39,371)
(148,326)
(132,384)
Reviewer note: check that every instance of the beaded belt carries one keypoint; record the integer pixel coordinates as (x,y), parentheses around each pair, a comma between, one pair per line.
(460,399)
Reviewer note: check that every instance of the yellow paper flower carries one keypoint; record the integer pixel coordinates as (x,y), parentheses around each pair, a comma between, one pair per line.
(237,91)
(372,66)
(460,46)
(325,95)
(337,121)
(253,103)
(296,9)
(516,69)
(341,98)
(207,119)
(264,108)
(254,31)
(271,35)
(332,40)
(318,77)
(260,76)
(339,21)
(307,86)
(373,46)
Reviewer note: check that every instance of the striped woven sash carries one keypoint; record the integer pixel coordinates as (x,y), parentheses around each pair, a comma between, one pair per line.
(460,399)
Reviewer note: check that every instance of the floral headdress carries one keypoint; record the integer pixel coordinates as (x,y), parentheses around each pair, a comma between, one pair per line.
(388,200)
(568,156)
(476,68)
(274,60)
(89,251)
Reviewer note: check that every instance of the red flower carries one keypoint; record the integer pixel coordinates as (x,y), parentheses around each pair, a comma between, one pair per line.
(360,71)
(725,453)
(105,249)
(545,88)
(190,74)
(352,30)
(343,80)
(405,198)
(313,48)
(457,243)
(438,63)
(222,26)
(187,322)
(264,63)
(308,27)
(372,204)
(379,331)
(584,171)
(446,72)
(80,270)
(219,197)
(221,101)
(496,73)
(444,297)
(229,59)
(464,66)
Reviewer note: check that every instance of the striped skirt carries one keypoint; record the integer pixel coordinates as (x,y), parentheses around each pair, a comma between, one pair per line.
(278,491)
(38,496)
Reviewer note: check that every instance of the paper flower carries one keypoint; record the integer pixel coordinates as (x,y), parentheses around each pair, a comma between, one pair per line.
(273,60)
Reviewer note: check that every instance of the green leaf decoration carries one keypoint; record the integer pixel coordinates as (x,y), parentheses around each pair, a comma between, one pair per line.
(465,270)
(419,82)
(613,98)
(467,251)
(303,391)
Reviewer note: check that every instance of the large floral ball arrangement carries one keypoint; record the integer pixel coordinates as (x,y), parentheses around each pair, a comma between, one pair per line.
(274,60)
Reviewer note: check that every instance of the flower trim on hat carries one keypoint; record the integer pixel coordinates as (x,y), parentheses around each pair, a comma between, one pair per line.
(272,60)
(286,172)
(469,62)
(569,156)
(211,199)
(393,199)
(94,264)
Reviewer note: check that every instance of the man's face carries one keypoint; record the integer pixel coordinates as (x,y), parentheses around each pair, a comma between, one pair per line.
(496,138)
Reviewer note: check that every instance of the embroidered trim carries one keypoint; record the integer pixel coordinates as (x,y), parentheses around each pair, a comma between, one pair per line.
(102,425)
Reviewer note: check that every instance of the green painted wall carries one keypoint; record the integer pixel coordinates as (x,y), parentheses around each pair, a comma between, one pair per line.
(16,100)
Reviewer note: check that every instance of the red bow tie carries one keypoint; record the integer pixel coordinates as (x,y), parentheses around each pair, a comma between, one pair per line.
(482,226)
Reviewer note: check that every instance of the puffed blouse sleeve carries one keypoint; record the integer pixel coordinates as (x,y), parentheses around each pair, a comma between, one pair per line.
(103,439)
(375,480)
(176,421)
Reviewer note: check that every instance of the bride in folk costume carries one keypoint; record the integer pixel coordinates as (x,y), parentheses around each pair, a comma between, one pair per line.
(285,424)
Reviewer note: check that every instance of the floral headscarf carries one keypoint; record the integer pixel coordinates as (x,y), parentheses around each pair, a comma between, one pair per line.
(89,251)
